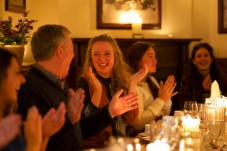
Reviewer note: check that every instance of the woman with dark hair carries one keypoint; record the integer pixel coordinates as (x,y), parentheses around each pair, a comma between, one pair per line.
(10,81)
(36,131)
(203,71)
(154,99)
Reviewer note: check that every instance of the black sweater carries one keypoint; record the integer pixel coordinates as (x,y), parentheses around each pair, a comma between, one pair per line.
(40,91)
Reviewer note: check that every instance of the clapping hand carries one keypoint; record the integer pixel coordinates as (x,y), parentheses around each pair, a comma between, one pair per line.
(207,83)
(53,121)
(95,83)
(140,75)
(97,88)
(75,105)
(9,128)
(166,90)
(33,130)
(119,105)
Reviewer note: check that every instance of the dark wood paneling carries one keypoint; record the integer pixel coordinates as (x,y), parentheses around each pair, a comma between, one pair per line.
(222,64)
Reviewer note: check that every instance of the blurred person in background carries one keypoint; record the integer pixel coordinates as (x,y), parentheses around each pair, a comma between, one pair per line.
(196,85)
(154,98)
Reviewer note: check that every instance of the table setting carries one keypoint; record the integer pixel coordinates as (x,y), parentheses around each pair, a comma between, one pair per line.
(198,127)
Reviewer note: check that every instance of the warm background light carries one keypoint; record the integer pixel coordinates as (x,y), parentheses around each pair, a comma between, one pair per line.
(133,18)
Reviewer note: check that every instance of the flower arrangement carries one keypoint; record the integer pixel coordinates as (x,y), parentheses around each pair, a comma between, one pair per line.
(18,35)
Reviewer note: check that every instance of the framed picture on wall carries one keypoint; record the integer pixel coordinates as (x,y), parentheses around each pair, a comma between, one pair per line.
(222,16)
(17,6)
(109,13)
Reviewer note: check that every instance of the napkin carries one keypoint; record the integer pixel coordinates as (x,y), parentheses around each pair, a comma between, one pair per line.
(215,90)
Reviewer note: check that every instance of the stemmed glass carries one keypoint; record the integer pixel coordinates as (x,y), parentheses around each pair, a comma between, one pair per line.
(213,132)
(190,108)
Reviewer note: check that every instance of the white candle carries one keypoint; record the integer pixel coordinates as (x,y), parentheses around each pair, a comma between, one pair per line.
(215,90)
(181,146)
(190,123)
(210,114)
(129,147)
(137,25)
(138,147)
(157,145)
(216,114)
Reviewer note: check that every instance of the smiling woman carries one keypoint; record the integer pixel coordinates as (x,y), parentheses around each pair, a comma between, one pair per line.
(18,6)
(105,75)
(196,84)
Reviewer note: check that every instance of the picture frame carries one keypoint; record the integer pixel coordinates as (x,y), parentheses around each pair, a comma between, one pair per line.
(108,12)
(17,6)
(222,16)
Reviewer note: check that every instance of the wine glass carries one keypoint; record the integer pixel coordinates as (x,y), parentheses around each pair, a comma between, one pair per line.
(202,112)
(178,118)
(190,108)
(213,133)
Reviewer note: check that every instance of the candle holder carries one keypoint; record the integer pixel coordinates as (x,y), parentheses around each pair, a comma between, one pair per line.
(215,113)
(158,145)
(137,36)
(190,123)
(137,28)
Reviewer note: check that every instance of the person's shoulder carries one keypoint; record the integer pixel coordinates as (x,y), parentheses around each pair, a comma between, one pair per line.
(82,82)
(32,73)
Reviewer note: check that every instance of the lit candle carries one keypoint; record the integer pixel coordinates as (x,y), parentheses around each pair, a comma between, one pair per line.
(138,147)
(137,25)
(191,124)
(129,147)
(157,145)
(181,146)
(216,114)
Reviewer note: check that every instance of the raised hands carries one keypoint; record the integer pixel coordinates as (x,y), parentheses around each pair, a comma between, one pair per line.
(119,105)
(9,128)
(137,77)
(207,83)
(75,105)
(33,130)
(166,90)
(53,121)
(97,88)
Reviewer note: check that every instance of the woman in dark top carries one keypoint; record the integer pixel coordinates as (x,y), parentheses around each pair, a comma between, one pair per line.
(203,71)
(10,81)
(36,131)
(105,73)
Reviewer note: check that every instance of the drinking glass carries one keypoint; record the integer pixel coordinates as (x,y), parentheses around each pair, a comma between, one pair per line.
(202,112)
(190,108)
(213,133)
(178,116)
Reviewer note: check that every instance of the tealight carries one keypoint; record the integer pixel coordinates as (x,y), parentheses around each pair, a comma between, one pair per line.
(191,124)
(157,145)
(129,147)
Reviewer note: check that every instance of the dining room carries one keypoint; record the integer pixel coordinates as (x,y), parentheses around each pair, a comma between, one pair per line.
(174,27)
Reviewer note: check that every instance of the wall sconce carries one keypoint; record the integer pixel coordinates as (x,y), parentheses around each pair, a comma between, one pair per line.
(137,28)
(136,22)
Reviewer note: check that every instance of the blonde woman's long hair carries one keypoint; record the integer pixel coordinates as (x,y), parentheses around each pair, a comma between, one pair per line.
(121,71)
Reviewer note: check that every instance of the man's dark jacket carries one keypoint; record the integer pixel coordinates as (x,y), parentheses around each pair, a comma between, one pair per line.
(40,91)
